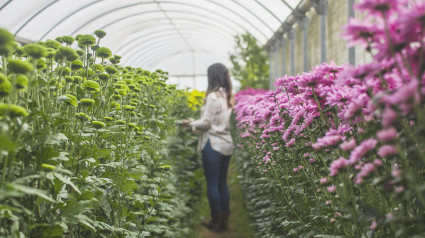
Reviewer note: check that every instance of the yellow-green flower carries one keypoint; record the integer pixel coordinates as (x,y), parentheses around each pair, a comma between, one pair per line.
(129,108)
(6,38)
(91,86)
(19,67)
(111,69)
(115,105)
(82,116)
(21,81)
(152,106)
(132,125)
(108,118)
(41,63)
(100,33)
(72,100)
(66,53)
(133,103)
(98,124)
(5,88)
(52,44)
(68,40)
(104,52)
(97,68)
(69,79)
(103,76)
(87,102)
(121,122)
(86,40)
(122,92)
(113,60)
(76,64)
(117,96)
(35,51)
(48,167)
(13,110)
(50,53)
(77,79)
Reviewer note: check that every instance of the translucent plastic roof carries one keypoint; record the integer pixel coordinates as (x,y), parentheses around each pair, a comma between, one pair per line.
(151,34)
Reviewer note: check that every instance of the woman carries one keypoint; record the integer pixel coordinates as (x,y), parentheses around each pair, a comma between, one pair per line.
(216,144)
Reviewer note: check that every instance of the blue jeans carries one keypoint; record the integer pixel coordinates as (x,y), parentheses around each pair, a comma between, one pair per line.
(215,170)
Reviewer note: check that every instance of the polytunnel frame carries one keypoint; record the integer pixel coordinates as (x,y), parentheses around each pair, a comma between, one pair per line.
(153,2)
(163,38)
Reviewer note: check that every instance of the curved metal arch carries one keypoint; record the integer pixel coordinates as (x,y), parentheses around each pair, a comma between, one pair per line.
(66,17)
(187,4)
(152,47)
(140,38)
(271,13)
(157,38)
(4,5)
(35,15)
(163,51)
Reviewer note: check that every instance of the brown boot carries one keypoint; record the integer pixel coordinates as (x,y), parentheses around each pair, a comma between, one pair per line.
(214,224)
(225,220)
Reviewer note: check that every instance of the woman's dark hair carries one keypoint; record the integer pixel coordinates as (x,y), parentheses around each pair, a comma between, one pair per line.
(219,76)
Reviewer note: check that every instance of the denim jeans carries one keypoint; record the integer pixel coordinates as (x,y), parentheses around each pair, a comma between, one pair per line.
(215,170)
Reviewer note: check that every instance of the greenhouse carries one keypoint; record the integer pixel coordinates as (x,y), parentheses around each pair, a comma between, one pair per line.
(212,118)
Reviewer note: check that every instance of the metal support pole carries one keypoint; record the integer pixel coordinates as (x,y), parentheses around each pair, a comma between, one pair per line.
(276,60)
(351,50)
(271,56)
(303,22)
(283,52)
(321,7)
(292,48)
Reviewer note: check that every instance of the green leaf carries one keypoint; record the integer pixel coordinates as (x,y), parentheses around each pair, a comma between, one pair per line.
(7,144)
(31,191)
(67,181)
(56,139)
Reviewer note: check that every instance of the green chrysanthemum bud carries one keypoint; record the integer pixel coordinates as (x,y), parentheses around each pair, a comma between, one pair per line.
(21,81)
(132,86)
(82,116)
(86,40)
(69,79)
(108,118)
(35,51)
(80,52)
(52,44)
(5,88)
(51,53)
(59,39)
(117,57)
(129,108)
(147,138)
(66,53)
(95,47)
(72,100)
(48,167)
(113,60)
(77,37)
(87,102)
(133,114)
(63,71)
(103,76)
(100,33)
(111,69)
(104,52)
(122,92)
(6,38)
(133,103)
(91,86)
(82,73)
(139,133)
(117,97)
(68,40)
(19,51)
(41,63)
(132,125)
(115,105)
(165,167)
(76,64)
(13,110)
(152,106)
(137,89)
(98,124)
(120,122)
(135,100)
(77,79)
(19,67)
(97,68)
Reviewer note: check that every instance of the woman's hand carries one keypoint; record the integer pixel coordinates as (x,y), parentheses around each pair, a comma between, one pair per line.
(186,122)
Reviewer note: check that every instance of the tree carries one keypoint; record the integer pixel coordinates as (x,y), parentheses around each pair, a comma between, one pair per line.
(250,63)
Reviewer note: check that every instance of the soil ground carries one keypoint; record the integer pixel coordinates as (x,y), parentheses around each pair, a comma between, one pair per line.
(239,222)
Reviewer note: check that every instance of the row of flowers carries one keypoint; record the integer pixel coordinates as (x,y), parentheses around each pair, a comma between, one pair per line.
(84,144)
(344,145)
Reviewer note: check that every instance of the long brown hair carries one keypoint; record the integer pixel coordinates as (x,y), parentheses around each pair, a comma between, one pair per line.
(219,76)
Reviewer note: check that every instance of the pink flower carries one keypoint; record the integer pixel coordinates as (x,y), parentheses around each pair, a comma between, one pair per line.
(312,160)
(396,173)
(364,172)
(361,150)
(348,145)
(387,134)
(399,189)
(388,116)
(377,162)
(295,170)
(389,216)
(300,167)
(276,148)
(332,220)
(386,150)
(373,225)
(290,143)
(306,155)
(245,135)
(337,165)
(331,189)
(328,202)
(337,214)
(323,180)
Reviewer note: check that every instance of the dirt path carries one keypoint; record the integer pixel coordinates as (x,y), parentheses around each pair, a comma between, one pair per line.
(239,221)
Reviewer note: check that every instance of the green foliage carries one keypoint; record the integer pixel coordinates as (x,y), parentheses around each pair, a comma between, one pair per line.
(73,165)
(250,63)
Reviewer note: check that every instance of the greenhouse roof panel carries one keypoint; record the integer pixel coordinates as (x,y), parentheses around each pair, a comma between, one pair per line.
(143,30)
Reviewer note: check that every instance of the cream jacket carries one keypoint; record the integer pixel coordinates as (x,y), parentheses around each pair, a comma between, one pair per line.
(214,123)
